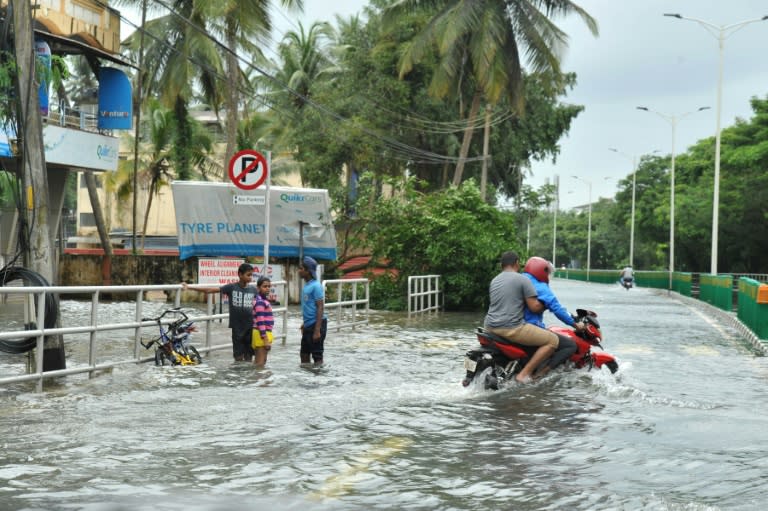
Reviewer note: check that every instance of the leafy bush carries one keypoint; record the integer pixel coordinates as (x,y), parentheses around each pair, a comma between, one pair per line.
(452,233)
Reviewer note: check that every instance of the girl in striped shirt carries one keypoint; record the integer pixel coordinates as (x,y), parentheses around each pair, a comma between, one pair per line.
(263,321)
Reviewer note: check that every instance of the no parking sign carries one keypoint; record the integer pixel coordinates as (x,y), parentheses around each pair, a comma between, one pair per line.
(248,169)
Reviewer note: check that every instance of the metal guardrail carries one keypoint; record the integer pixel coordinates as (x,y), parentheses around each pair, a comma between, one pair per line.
(67,117)
(347,303)
(349,308)
(424,293)
(94,328)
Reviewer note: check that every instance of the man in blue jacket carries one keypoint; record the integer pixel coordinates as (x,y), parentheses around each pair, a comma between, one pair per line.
(538,270)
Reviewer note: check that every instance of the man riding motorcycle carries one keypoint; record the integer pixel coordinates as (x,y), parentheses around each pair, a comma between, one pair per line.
(627,277)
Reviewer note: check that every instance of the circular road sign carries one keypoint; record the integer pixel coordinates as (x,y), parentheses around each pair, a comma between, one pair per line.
(248,169)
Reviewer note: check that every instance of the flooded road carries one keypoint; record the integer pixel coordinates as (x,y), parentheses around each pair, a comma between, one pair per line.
(386,424)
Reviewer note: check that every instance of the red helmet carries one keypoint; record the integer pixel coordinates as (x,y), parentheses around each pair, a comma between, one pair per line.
(539,268)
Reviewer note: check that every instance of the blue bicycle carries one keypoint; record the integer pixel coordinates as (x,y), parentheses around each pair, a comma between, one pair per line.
(173,345)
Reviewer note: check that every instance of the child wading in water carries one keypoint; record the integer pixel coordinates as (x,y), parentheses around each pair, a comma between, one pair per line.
(263,321)
(241,296)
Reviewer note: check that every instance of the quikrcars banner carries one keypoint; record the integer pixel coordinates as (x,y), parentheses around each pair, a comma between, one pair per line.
(219,219)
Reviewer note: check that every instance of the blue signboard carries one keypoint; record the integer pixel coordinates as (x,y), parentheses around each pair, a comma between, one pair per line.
(115,100)
(43,56)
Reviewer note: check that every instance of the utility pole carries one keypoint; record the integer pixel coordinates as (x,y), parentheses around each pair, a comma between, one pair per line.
(39,256)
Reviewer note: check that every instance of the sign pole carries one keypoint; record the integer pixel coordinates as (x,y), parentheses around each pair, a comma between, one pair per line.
(266,214)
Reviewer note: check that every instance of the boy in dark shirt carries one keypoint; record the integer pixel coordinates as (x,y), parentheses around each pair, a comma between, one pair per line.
(241,296)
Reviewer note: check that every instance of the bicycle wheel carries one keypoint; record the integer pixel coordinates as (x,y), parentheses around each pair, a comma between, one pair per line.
(162,358)
(194,356)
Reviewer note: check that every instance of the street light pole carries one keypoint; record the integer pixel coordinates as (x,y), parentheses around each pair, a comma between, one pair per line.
(672,120)
(720,32)
(589,224)
(632,221)
(554,220)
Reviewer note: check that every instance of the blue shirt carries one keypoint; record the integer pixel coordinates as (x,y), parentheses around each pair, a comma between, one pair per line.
(548,298)
(312,292)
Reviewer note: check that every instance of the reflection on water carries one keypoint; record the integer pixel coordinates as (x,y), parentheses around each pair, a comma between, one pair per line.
(385,424)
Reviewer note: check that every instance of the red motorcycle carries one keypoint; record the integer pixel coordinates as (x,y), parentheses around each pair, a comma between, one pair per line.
(498,360)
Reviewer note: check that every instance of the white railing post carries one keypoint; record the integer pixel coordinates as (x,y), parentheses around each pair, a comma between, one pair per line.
(92,335)
(139,313)
(424,293)
(348,307)
(40,339)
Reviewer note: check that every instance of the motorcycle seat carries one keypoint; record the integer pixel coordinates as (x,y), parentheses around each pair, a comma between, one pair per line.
(496,338)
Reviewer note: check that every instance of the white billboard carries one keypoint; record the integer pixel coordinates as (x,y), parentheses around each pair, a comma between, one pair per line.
(219,219)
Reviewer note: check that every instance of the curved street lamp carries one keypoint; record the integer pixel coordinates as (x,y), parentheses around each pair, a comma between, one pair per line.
(672,120)
(721,33)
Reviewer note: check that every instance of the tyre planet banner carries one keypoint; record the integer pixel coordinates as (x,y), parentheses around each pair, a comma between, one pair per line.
(219,219)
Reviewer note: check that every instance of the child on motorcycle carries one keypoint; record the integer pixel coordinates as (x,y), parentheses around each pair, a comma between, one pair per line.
(538,270)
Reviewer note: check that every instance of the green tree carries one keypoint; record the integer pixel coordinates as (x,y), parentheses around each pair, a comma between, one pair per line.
(389,126)
(425,234)
(479,43)
(155,168)
(180,58)
(243,24)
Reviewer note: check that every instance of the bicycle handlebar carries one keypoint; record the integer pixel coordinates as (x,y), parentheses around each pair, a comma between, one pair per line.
(175,310)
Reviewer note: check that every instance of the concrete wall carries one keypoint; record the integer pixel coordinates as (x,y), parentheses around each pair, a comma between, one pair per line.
(86,270)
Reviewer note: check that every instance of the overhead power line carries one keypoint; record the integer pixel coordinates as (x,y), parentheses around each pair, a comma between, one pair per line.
(406,152)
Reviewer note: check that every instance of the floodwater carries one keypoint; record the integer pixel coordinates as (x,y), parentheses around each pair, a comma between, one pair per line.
(386,424)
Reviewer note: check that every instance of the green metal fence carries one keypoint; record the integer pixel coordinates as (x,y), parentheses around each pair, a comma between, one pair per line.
(753,306)
(717,290)
(681,282)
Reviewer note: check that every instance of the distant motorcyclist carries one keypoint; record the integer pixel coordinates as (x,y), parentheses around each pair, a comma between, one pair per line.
(538,270)
(627,277)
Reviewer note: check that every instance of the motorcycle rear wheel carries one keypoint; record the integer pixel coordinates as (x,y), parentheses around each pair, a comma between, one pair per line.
(491,379)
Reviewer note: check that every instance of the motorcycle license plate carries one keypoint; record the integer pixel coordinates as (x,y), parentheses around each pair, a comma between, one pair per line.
(469,364)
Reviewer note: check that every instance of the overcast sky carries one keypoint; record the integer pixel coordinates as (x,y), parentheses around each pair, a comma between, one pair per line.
(639,58)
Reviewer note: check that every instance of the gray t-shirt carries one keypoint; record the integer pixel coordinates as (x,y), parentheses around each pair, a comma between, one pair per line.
(508,290)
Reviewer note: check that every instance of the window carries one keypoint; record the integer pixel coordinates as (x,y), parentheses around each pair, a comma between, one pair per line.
(83,13)
(87,220)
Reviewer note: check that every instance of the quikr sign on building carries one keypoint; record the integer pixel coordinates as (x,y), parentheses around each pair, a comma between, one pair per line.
(220,219)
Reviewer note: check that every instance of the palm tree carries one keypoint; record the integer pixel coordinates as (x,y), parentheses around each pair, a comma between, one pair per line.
(241,22)
(154,166)
(480,43)
(304,60)
(180,57)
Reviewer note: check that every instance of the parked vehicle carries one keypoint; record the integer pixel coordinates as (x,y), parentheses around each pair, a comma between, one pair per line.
(173,345)
(498,360)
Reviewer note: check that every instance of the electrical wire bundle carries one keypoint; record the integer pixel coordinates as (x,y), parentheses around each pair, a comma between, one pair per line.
(30,278)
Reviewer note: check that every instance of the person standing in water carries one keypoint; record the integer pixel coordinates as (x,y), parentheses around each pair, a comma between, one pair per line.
(241,296)
(263,322)
(315,324)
